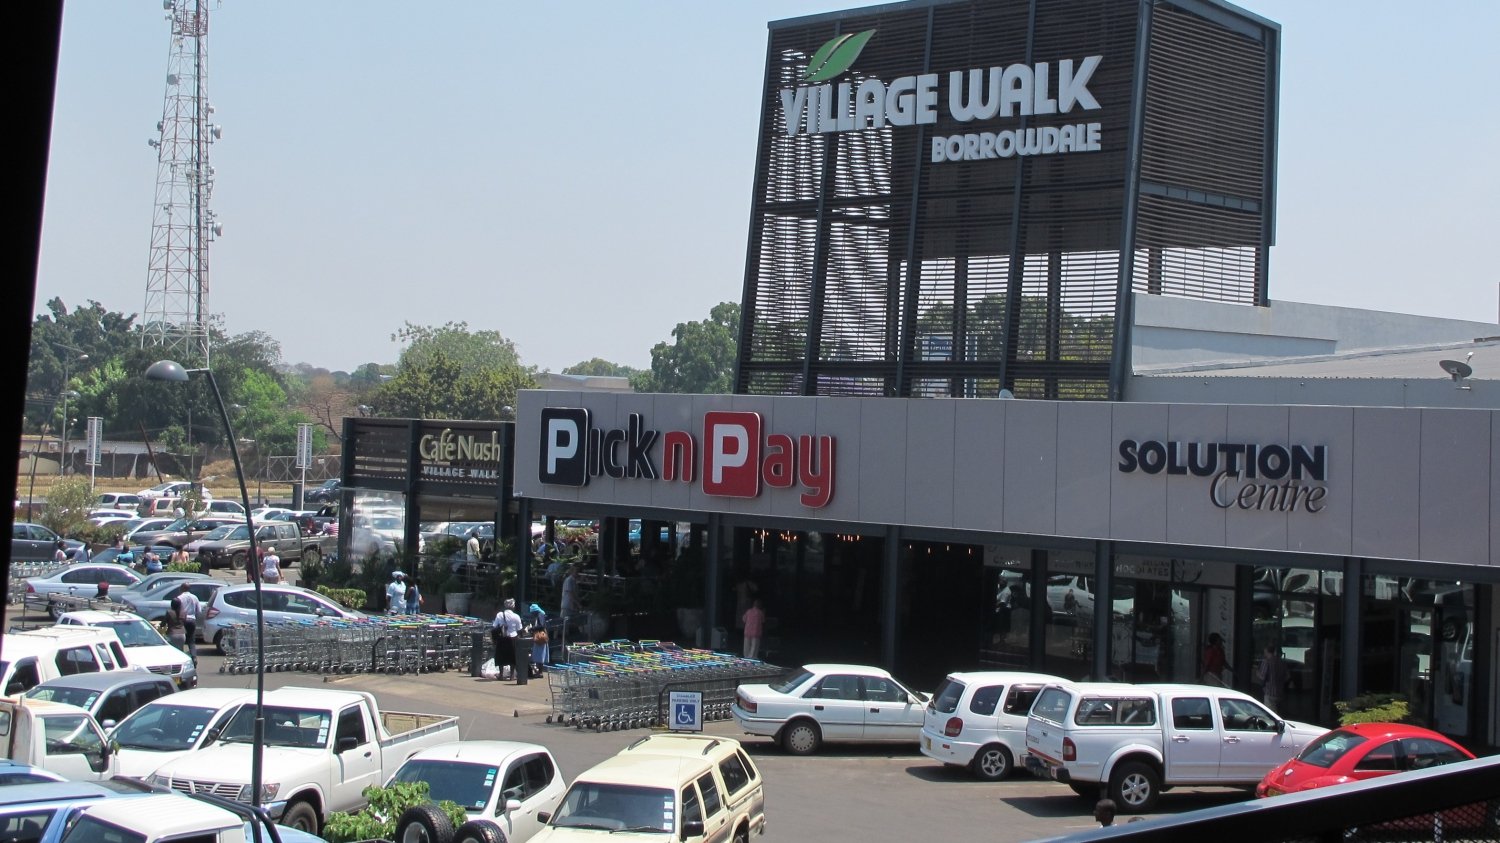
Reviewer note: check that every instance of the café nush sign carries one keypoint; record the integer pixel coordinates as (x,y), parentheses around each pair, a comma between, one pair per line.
(731,456)
(448,455)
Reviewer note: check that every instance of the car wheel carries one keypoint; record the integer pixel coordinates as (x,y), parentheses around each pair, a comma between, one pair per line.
(992,763)
(237,561)
(1135,787)
(479,831)
(801,737)
(424,824)
(311,556)
(219,644)
(301,816)
(742,834)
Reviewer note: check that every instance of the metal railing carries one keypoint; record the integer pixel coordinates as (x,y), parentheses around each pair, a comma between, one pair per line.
(1450,804)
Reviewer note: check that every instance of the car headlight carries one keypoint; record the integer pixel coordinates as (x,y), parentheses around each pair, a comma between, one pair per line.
(267,792)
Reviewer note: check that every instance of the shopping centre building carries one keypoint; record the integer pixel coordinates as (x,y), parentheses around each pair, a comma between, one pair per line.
(1012,391)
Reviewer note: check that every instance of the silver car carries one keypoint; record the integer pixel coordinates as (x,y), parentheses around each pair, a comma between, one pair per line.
(80,580)
(236,605)
(152,603)
(110,697)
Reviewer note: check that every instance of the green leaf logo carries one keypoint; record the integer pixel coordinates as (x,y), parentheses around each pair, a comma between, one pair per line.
(834,58)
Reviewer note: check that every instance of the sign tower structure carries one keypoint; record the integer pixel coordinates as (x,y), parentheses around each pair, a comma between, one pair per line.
(183,225)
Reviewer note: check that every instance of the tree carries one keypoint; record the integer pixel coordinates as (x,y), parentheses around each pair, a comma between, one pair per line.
(453,373)
(599,367)
(68,505)
(701,358)
(76,341)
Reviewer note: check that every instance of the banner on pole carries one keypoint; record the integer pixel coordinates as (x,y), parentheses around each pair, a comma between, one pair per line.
(304,446)
(96,435)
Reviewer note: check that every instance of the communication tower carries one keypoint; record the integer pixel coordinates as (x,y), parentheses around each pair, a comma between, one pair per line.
(183,224)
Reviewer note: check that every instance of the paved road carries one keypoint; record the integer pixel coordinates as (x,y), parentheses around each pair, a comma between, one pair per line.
(882,793)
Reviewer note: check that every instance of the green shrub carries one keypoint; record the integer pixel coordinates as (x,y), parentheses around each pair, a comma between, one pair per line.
(1373,708)
(184,568)
(68,505)
(377,821)
(349,598)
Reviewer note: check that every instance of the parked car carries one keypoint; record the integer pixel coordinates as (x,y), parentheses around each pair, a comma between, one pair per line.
(1131,741)
(232,549)
(169,489)
(158,507)
(100,517)
(706,790)
(184,530)
(61,738)
(271,513)
(153,581)
(159,817)
(322,748)
(120,500)
(152,603)
(144,646)
(174,726)
(236,604)
(831,702)
(29,658)
(505,784)
(978,720)
(14,772)
(80,580)
(143,525)
(326,493)
(223,507)
(33,541)
(1359,752)
(109,697)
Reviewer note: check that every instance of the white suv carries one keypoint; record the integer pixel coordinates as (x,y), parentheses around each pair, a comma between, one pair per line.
(978,720)
(236,605)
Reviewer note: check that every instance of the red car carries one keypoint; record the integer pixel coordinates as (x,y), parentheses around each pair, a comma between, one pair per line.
(1363,751)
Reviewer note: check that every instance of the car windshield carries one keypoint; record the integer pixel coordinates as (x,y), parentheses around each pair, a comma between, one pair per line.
(177,526)
(470,785)
(1327,750)
(285,726)
(163,727)
(81,697)
(617,807)
(791,683)
(136,633)
(386,523)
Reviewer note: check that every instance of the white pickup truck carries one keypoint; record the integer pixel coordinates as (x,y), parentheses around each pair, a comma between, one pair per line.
(1136,741)
(60,738)
(322,749)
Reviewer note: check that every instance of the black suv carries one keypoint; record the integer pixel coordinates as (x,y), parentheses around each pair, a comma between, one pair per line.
(326,493)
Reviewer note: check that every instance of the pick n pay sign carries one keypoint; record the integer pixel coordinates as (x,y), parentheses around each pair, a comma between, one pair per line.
(737,457)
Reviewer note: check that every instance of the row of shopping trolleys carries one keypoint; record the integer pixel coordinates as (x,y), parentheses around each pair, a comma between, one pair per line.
(623,684)
(375,644)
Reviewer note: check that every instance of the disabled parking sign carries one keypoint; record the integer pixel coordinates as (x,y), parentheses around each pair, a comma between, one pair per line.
(685,711)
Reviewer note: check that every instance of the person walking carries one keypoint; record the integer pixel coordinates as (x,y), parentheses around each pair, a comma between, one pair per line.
(503,633)
(413,601)
(1272,677)
(270,568)
(755,625)
(60,552)
(189,608)
(569,606)
(471,547)
(153,562)
(1215,662)
(539,639)
(395,594)
(179,557)
(176,632)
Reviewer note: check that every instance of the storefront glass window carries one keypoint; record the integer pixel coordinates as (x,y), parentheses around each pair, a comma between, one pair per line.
(1294,615)
(1068,612)
(1005,633)
(1417,642)
(1162,611)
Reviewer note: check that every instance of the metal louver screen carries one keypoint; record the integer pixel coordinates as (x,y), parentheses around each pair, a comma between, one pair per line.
(876,270)
(379,450)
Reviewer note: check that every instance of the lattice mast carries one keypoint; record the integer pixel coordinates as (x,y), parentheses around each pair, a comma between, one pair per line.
(183,225)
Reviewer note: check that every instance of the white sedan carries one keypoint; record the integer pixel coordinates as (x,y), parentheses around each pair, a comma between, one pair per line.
(831,702)
(502,785)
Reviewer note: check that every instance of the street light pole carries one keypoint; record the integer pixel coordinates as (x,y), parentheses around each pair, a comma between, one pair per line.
(168,370)
(62,461)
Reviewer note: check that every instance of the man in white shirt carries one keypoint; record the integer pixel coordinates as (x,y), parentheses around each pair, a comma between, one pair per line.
(395,594)
(190,608)
(504,631)
(471,547)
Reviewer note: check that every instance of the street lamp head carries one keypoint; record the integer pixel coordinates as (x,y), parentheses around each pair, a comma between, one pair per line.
(166,370)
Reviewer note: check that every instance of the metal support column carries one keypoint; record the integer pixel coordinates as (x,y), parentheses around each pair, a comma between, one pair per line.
(890,579)
(1354,571)
(1104,586)
(523,553)
(712,559)
(1037,657)
(1242,646)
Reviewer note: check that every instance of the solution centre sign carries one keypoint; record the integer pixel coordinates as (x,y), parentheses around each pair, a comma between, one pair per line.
(977,95)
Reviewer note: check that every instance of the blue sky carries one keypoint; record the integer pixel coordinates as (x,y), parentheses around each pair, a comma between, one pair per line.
(577,175)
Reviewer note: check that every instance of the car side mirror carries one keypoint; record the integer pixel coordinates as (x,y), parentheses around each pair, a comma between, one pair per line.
(346,743)
(543,817)
(1280,726)
(512,805)
(109,724)
(692,828)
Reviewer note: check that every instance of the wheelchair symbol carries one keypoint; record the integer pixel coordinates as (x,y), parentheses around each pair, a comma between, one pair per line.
(685,714)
